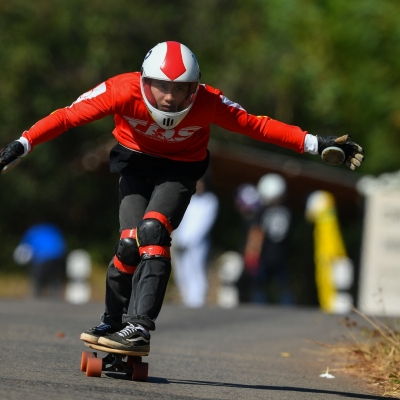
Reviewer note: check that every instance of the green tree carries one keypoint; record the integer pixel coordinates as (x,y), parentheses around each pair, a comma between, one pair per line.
(329,66)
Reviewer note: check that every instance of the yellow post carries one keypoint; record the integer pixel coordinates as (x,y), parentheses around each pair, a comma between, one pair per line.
(328,245)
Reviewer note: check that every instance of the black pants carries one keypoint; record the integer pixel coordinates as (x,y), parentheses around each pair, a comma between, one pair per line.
(166,188)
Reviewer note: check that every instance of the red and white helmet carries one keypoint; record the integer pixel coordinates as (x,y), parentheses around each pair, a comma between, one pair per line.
(173,62)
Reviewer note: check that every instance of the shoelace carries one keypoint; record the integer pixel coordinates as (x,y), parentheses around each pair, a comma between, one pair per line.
(103,327)
(128,330)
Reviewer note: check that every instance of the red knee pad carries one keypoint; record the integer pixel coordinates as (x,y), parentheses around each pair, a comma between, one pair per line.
(126,268)
(162,218)
(154,238)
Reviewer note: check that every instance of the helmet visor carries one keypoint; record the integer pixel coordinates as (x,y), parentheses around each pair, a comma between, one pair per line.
(167,96)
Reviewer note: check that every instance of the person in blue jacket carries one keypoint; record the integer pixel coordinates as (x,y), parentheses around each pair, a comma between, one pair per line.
(43,248)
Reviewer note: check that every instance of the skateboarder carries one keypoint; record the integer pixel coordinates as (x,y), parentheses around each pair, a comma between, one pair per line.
(162,120)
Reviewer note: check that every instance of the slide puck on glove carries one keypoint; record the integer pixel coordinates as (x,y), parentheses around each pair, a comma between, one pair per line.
(333,155)
(10,165)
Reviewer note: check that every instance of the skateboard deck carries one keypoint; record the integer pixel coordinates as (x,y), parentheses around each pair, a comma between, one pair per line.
(116,351)
(128,362)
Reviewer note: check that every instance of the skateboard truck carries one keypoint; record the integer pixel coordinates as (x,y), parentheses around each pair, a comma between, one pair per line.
(120,363)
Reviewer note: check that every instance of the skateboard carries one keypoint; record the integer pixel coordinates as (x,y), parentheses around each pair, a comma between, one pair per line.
(123,361)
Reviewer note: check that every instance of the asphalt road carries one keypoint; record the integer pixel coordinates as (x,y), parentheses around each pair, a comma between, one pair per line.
(210,353)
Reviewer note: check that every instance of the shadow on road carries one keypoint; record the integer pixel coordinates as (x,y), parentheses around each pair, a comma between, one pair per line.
(267,388)
(257,387)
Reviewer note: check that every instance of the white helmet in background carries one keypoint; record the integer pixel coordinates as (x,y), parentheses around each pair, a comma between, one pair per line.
(271,187)
(172,62)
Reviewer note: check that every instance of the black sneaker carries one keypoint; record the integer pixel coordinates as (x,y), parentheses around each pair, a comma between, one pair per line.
(92,335)
(132,338)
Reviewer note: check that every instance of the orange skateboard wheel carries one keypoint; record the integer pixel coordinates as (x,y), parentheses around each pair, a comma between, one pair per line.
(84,358)
(94,367)
(140,371)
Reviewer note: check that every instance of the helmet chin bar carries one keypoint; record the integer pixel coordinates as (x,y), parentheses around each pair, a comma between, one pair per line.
(167,120)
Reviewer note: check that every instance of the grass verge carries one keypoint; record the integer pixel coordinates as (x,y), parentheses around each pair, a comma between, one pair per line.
(17,285)
(14,286)
(372,353)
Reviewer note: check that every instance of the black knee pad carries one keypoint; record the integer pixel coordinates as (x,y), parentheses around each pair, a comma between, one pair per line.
(152,231)
(127,251)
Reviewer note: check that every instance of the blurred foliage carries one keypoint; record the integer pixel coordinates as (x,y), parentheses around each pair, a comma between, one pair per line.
(329,66)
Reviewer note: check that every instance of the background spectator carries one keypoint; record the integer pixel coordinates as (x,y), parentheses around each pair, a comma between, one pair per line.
(248,204)
(191,245)
(266,249)
(43,248)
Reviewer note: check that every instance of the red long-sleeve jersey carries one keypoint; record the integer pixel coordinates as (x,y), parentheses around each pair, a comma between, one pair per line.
(121,97)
